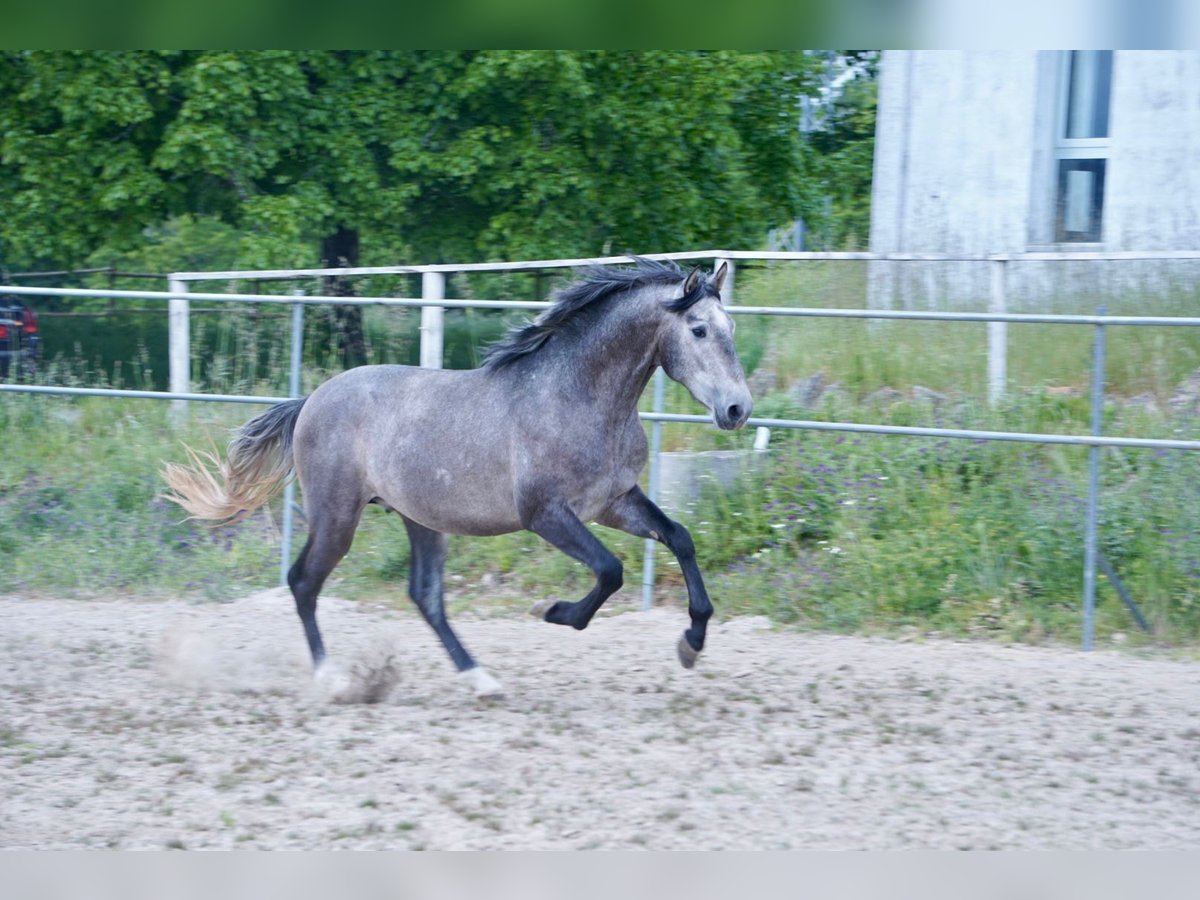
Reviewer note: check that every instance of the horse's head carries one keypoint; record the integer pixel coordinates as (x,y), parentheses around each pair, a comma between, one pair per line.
(696,349)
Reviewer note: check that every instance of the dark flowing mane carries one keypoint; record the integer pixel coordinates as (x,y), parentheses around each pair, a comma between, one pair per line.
(596,283)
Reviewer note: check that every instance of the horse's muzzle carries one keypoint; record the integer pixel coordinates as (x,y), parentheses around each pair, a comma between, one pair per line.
(733,412)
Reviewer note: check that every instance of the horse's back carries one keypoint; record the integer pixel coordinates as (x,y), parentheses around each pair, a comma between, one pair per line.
(430,443)
(375,399)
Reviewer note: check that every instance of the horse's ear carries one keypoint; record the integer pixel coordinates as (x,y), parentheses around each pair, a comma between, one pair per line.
(693,281)
(719,276)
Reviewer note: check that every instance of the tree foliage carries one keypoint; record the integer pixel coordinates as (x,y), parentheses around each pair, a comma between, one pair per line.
(839,166)
(419,155)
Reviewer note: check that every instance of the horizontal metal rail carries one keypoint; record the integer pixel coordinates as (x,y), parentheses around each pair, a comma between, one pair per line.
(748,255)
(1080,440)
(134,395)
(271,298)
(528,265)
(743,255)
(930,316)
(795,311)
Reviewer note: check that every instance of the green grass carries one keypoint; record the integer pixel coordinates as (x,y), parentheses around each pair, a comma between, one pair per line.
(834,532)
(79,505)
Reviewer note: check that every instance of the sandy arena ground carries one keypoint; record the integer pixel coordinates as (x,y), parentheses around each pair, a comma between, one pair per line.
(131,724)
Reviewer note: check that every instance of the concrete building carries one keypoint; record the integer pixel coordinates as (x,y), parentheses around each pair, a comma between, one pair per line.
(985,152)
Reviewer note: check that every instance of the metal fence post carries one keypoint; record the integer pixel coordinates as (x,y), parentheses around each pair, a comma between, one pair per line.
(997,335)
(660,381)
(1093,499)
(433,287)
(179,353)
(289,492)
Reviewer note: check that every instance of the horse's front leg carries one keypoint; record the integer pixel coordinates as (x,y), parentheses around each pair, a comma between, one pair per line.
(554,522)
(634,513)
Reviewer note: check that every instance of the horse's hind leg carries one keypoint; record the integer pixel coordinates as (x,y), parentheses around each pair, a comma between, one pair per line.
(425,587)
(329,537)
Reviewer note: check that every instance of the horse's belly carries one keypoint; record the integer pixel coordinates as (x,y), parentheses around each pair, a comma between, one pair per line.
(456,500)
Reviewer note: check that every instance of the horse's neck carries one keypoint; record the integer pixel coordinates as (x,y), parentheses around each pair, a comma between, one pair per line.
(608,364)
(615,362)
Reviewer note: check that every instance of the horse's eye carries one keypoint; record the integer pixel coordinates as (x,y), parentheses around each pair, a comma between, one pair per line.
(700,331)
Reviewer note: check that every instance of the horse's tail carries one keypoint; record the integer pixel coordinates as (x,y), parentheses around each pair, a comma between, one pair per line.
(257,463)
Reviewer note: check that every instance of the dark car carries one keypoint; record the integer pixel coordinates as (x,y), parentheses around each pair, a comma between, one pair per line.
(20,343)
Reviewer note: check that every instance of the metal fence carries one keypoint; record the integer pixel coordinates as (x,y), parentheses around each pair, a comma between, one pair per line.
(433,302)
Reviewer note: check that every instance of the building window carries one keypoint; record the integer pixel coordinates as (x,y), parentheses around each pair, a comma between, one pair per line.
(1080,199)
(1081,146)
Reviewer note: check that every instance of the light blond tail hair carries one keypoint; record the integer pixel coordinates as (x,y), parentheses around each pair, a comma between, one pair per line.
(257,464)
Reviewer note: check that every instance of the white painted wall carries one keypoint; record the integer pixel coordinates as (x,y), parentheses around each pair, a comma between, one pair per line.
(1154,187)
(953,151)
(964,164)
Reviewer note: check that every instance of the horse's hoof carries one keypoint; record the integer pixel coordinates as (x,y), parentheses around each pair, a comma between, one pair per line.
(482,683)
(364,683)
(687,655)
(330,682)
(539,609)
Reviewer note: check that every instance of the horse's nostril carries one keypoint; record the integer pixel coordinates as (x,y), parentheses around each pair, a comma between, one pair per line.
(734,413)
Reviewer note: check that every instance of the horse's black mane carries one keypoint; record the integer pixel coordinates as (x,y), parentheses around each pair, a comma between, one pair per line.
(597,282)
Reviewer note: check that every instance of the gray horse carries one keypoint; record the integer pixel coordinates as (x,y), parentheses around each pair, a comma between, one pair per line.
(544,436)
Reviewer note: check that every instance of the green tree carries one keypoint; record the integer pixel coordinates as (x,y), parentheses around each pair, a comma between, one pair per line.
(76,163)
(561,153)
(374,157)
(839,167)
(429,155)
